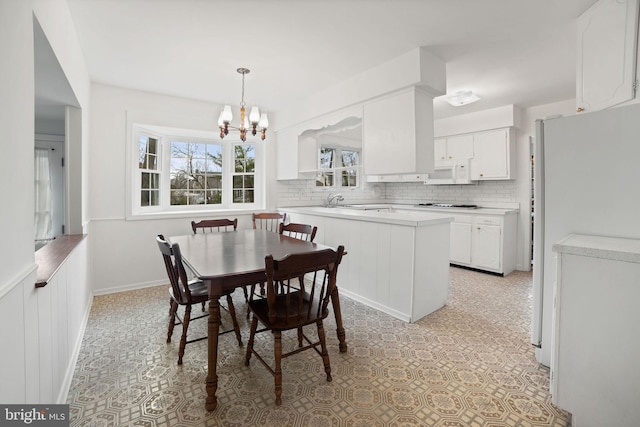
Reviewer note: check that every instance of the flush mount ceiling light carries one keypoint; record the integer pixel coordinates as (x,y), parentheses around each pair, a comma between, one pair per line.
(252,122)
(462,97)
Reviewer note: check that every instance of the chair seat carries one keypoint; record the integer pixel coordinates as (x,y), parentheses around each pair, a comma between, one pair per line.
(294,317)
(199,293)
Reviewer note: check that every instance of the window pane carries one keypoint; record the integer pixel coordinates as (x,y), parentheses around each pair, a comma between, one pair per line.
(144,198)
(214,197)
(178,197)
(238,181)
(154,199)
(214,158)
(214,182)
(248,196)
(326,157)
(324,179)
(350,158)
(238,196)
(248,181)
(349,178)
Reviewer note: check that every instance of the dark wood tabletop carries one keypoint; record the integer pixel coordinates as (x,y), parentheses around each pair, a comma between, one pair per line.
(233,259)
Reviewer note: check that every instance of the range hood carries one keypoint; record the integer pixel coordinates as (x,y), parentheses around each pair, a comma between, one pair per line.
(457,173)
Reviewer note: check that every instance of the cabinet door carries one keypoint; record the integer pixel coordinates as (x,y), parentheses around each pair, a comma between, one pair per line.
(486,246)
(440,151)
(460,147)
(460,248)
(491,155)
(606,56)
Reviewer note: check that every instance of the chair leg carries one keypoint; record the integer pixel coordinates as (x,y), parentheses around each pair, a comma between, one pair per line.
(277,353)
(185,326)
(252,335)
(323,350)
(172,319)
(300,336)
(203,307)
(232,313)
(246,294)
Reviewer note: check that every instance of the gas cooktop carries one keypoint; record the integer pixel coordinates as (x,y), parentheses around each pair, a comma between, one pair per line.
(446,205)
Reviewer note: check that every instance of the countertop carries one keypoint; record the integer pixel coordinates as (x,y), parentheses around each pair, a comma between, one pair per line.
(613,248)
(376,213)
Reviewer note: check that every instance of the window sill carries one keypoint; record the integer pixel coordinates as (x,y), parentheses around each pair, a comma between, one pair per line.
(50,257)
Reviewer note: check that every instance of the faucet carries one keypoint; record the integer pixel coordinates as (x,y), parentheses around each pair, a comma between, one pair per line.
(332,200)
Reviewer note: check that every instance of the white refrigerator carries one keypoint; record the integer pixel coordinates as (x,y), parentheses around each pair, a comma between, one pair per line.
(586,181)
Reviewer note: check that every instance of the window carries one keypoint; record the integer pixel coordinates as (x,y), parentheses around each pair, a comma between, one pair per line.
(342,163)
(196,173)
(148,165)
(181,170)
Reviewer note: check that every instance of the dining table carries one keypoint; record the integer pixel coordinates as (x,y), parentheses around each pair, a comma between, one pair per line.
(234,259)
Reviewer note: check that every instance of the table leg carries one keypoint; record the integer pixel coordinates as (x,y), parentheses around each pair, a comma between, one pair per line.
(213,329)
(335,302)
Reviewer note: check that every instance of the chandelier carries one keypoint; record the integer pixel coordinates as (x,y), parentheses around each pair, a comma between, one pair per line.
(250,123)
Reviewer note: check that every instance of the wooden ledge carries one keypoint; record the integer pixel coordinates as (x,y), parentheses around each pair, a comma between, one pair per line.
(50,257)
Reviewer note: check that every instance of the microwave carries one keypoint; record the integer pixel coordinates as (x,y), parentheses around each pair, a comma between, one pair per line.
(457,173)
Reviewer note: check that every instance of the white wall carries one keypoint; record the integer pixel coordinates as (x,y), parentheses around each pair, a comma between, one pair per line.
(24,360)
(136,261)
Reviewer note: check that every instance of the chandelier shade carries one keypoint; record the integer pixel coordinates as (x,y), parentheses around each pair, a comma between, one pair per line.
(254,122)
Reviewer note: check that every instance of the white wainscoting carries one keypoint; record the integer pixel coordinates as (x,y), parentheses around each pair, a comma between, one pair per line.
(43,332)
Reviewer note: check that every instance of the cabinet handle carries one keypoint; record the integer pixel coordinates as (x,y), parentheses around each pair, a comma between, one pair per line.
(449,156)
(579,110)
(481,174)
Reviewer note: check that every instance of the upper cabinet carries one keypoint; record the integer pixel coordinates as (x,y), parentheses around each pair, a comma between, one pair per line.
(494,156)
(606,54)
(451,149)
(397,133)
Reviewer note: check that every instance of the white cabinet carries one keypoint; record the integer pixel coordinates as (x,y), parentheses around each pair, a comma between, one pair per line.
(595,347)
(606,54)
(493,155)
(398,134)
(449,150)
(485,242)
(460,245)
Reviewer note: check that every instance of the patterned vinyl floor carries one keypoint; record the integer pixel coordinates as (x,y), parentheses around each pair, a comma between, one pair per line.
(468,364)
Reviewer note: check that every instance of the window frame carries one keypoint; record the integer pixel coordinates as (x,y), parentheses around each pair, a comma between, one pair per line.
(167,135)
(337,170)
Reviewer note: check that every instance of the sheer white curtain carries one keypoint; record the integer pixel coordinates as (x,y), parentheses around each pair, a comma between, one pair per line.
(42,195)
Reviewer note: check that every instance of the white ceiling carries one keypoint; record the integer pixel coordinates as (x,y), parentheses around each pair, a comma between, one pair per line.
(507,51)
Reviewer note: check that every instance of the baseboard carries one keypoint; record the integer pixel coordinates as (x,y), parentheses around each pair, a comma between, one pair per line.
(395,313)
(131,287)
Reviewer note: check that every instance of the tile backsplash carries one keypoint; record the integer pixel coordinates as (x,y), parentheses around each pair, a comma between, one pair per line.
(304,192)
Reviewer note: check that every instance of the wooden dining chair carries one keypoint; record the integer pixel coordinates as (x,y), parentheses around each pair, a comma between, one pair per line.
(211,225)
(299,231)
(184,292)
(292,303)
(268,220)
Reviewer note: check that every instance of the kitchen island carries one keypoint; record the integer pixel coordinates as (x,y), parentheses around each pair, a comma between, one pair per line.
(396,262)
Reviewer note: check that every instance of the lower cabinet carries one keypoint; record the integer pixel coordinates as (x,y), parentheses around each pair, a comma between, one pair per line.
(484,242)
(460,246)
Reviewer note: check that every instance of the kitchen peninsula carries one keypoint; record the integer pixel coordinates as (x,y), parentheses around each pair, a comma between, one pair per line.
(396,262)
